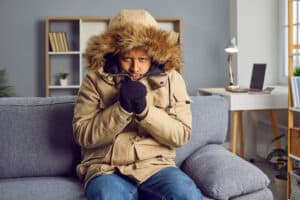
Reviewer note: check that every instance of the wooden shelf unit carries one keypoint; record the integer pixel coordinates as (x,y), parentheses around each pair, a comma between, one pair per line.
(293,126)
(78,30)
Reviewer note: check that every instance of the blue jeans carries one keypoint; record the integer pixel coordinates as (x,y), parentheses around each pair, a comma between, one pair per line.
(169,184)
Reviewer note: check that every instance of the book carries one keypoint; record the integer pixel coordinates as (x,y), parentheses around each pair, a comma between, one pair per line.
(66,41)
(295,89)
(55,39)
(60,42)
(295,94)
(51,40)
(63,43)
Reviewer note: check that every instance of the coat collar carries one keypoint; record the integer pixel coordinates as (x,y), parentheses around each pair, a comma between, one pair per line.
(157,81)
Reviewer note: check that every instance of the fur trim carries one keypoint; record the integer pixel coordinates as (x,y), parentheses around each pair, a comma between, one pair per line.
(159,44)
(137,17)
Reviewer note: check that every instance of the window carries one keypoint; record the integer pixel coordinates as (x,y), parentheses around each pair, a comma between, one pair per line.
(283,41)
(283,35)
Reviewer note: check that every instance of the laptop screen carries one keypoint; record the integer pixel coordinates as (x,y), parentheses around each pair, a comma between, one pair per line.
(258,76)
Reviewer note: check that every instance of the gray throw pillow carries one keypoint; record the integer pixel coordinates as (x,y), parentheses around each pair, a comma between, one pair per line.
(221,175)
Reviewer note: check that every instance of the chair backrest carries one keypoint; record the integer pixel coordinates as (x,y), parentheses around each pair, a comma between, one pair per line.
(209,125)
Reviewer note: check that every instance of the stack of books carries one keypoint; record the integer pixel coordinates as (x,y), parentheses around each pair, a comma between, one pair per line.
(295,83)
(58,41)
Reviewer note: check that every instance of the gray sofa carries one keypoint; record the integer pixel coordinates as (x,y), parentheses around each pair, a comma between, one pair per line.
(38,155)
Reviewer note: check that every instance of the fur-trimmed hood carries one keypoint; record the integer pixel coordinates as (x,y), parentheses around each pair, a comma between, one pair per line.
(160,45)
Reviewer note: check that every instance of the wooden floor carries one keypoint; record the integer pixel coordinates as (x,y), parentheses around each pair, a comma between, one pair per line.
(278,189)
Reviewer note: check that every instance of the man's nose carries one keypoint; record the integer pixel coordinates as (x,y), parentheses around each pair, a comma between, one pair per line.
(134,66)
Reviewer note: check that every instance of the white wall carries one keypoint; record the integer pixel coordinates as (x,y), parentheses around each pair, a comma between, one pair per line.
(22,49)
(256,27)
(257,35)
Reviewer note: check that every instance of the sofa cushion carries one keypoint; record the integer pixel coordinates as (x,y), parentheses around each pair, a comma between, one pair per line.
(46,188)
(221,174)
(209,125)
(264,194)
(36,137)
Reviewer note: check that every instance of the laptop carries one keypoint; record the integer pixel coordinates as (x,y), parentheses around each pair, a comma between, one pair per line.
(257,80)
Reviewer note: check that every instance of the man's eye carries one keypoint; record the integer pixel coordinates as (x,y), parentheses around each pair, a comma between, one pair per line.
(126,59)
(143,59)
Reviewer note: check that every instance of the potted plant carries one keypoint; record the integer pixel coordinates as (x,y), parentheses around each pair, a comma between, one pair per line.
(277,158)
(63,78)
(297,71)
(5,90)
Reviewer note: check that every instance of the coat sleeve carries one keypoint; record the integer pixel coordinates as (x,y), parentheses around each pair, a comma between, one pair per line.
(173,130)
(93,125)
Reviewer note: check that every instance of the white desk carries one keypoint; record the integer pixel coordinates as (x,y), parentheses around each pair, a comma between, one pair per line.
(239,102)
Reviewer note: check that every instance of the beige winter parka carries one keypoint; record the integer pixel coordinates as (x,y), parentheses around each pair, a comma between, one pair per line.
(112,139)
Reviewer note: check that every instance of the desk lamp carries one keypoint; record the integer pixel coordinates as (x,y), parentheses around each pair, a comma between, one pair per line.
(230,50)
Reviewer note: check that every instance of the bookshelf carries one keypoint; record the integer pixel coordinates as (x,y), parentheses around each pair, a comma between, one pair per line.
(72,34)
(294,110)
(76,31)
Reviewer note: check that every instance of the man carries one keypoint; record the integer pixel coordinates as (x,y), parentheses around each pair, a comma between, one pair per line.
(132,111)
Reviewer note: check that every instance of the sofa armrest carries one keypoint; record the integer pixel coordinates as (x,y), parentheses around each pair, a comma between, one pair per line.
(222,175)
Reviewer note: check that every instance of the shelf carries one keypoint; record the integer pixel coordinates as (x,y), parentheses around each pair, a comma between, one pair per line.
(293,130)
(294,157)
(295,109)
(294,54)
(63,87)
(64,53)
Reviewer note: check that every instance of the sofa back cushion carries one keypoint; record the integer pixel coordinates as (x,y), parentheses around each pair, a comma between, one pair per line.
(36,137)
(209,125)
(36,134)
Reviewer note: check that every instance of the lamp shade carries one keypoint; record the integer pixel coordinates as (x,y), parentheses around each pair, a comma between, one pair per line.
(232,48)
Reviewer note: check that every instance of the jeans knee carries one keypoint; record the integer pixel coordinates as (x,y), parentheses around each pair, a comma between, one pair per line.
(112,194)
(170,184)
(184,189)
(97,195)
(182,194)
(195,193)
(109,187)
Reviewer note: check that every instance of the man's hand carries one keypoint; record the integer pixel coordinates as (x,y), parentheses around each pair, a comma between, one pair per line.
(133,96)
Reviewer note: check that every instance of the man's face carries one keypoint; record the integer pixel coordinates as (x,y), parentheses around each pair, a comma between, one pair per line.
(135,62)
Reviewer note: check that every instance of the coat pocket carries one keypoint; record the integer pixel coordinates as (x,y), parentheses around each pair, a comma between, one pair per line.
(182,103)
(89,154)
(165,103)
(148,148)
(161,161)
(161,102)
(91,157)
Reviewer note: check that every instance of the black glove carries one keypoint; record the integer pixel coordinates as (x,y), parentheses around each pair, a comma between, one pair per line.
(139,104)
(133,96)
